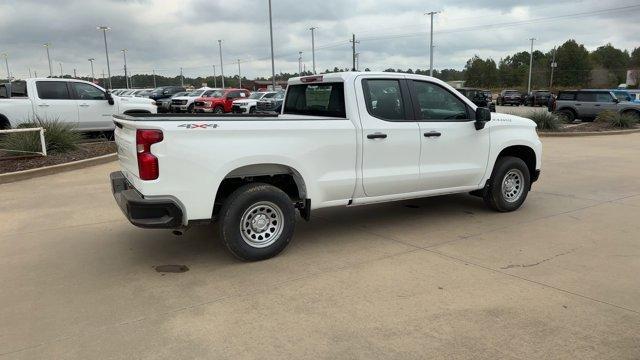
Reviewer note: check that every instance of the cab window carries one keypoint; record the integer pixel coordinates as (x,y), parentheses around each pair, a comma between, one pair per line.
(383,98)
(324,99)
(436,103)
(53,90)
(87,92)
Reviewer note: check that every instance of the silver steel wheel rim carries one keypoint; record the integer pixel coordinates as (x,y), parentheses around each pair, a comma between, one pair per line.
(512,185)
(261,224)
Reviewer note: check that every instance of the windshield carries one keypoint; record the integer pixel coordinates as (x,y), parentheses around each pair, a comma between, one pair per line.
(217,94)
(196,93)
(256,95)
(622,95)
(269,95)
(184,93)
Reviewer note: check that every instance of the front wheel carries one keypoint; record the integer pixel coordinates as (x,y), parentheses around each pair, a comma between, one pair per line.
(257,221)
(509,184)
(218,110)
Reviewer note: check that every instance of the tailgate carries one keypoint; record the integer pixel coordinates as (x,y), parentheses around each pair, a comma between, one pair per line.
(125,136)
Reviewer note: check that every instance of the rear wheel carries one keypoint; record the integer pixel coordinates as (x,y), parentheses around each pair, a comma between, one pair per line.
(257,221)
(568,115)
(218,110)
(190,109)
(509,184)
(252,110)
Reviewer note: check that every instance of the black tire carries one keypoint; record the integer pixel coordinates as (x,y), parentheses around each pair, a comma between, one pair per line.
(257,195)
(218,110)
(495,197)
(4,123)
(568,114)
(252,110)
(632,113)
(190,109)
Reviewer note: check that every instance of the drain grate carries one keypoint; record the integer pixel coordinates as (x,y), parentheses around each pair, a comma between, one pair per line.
(171,268)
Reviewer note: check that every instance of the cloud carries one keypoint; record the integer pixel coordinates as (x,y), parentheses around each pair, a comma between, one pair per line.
(166,35)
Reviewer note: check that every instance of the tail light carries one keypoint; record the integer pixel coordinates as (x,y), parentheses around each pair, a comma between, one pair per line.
(147,162)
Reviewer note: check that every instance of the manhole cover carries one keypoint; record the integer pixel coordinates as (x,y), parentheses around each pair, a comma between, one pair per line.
(171,268)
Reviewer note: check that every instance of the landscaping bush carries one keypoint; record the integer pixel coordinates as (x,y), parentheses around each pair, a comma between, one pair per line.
(546,120)
(59,137)
(616,120)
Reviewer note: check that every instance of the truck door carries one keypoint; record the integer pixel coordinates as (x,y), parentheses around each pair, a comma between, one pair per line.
(94,111)
(453,154)
(53,101)
(390,136)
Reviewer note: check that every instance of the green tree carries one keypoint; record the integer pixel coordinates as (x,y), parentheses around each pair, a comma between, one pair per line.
(480,73)
(574,67)
(612,59)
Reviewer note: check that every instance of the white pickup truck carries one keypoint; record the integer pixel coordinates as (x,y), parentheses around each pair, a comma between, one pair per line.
(85,105)
(342,139)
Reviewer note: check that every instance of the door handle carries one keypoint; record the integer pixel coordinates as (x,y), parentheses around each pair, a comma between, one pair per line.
(578,104)
(377,135)
(432,134)
(597,105)
(84,105)
(43,105)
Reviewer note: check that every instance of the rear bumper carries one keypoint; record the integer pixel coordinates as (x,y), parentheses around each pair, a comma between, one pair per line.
(154,213)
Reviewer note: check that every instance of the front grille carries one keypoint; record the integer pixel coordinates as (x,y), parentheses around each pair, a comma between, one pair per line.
(178,102)
(199,103)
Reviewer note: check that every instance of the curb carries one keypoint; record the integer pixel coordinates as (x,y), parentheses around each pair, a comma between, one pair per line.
(55,169)
(587,133)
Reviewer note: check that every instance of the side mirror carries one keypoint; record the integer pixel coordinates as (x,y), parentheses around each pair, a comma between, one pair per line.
(110,98)
(482,116)
(616,100)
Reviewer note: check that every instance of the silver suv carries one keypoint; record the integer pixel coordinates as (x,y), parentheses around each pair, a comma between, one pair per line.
(587,104)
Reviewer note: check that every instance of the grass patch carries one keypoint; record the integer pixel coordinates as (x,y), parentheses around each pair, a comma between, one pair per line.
(59,138)
(617,120)
(546,120)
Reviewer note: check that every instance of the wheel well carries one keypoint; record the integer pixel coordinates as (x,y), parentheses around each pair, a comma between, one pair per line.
(137,112)
(632,112)
(569,109)
(523,152)
(4,123)
(283,177)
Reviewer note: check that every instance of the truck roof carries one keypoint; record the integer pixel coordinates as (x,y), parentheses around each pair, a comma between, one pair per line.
(346,76)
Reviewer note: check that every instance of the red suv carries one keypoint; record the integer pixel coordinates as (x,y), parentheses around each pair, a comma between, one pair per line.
(220,101)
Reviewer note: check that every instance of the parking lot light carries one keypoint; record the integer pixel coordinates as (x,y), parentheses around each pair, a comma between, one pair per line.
(273,64)
(104,30)
(47,46)
(93,76)
(221,64)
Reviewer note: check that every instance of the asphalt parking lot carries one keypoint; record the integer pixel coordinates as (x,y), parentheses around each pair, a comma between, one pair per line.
(432,278)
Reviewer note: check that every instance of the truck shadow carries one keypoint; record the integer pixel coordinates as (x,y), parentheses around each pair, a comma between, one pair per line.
(328,230)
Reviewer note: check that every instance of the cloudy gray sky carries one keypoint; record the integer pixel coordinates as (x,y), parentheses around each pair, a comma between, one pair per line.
(168,34)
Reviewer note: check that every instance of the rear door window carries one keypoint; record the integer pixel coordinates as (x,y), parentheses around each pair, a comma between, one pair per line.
(586,97)
(53,90)
(566,96)
(325,99)
(384,99)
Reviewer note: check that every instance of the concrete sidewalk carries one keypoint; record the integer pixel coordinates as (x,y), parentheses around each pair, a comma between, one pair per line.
(431,278)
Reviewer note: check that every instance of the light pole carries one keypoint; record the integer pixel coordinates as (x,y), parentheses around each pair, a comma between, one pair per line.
(61,73)
(93,76)
(313,48)
(215,77)
(8,74)
(353,50)
(181,78)
(300,63)
(154,78)
(530,65)
(126,74)
(106,51)
(431,13)
(239,75)
(47,45)
(554,65)
(273,64)
(221,65)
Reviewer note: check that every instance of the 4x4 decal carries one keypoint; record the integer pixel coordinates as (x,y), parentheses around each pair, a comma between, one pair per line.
(198,126)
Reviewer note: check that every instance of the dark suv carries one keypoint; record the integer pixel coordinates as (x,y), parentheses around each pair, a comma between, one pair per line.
(271,105)
(587,104)
(478,97)
(537,98)
(509,97)
(164,92)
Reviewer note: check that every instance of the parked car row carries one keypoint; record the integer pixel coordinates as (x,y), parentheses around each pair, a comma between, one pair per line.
(587,104)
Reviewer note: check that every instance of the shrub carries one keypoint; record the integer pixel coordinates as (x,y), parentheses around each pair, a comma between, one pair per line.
(546,120)
(59,137)
(616,120)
